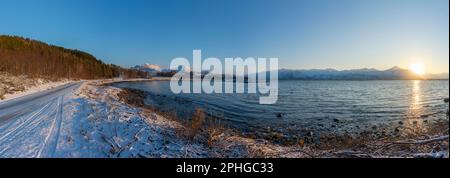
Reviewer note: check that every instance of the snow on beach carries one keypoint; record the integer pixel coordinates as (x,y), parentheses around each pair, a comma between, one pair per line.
(223,142)
(101,126)
(104,126)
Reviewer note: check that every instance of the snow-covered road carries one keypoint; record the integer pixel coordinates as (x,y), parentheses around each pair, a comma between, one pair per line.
(90,120)
(85,120)
(30,125)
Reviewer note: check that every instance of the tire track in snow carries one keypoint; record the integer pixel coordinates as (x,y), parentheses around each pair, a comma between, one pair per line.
(51,141)
(20,106)
(22,124)
(32,126)
(13,123)
(11,139)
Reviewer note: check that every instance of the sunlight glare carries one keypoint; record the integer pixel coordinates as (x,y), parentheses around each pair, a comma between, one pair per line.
(417,68)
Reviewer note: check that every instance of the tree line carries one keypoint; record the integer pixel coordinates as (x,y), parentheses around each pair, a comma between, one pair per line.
(23,56)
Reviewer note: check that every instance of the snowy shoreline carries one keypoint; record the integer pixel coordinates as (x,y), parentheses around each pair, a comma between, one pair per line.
(146,133)
(93,119)
(214,140)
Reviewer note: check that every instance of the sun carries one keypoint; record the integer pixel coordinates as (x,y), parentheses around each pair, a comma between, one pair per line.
(417,68)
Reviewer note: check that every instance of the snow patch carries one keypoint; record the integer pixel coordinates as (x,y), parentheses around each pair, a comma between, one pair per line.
(12,87)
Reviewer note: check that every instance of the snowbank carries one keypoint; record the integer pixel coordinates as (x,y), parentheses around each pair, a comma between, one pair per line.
(16,86)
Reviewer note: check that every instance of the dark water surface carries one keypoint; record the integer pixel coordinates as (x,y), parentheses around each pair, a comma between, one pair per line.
(320,106)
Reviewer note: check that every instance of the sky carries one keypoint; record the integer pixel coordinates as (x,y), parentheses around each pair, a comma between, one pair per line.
(303,34)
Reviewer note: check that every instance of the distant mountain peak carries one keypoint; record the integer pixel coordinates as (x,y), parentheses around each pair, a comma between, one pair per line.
(147,66)
(396,68)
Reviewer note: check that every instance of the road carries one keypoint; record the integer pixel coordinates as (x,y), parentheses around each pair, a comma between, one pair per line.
(30,125)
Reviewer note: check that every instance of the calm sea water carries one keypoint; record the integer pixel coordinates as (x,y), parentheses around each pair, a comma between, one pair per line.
(324,106)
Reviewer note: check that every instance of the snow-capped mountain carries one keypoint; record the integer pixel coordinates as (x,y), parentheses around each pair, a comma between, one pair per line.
(185,69)
(395,73)
(151,68)
(155,68)
(158,70)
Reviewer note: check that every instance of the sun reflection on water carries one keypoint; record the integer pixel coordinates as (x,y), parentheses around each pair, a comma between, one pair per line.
(413,122)
(416,93)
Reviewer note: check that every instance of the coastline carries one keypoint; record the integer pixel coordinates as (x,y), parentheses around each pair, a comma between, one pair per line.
(171,137)
(214,139)
(99,120)
(111,81)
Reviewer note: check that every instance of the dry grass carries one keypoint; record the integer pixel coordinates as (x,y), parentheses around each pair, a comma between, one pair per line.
(198,118)
(10,84)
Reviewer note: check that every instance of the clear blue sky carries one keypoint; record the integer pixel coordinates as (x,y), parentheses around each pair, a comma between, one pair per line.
(340,34)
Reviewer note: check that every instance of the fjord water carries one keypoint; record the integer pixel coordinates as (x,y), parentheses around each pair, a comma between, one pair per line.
(325,106)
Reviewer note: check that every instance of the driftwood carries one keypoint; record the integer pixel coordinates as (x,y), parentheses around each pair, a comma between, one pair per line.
(415,142)
(353,154)
(440,154)
(436,139)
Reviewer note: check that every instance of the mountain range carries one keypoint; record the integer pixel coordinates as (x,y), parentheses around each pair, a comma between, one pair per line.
(152,69)
(155,69)
(394,73)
